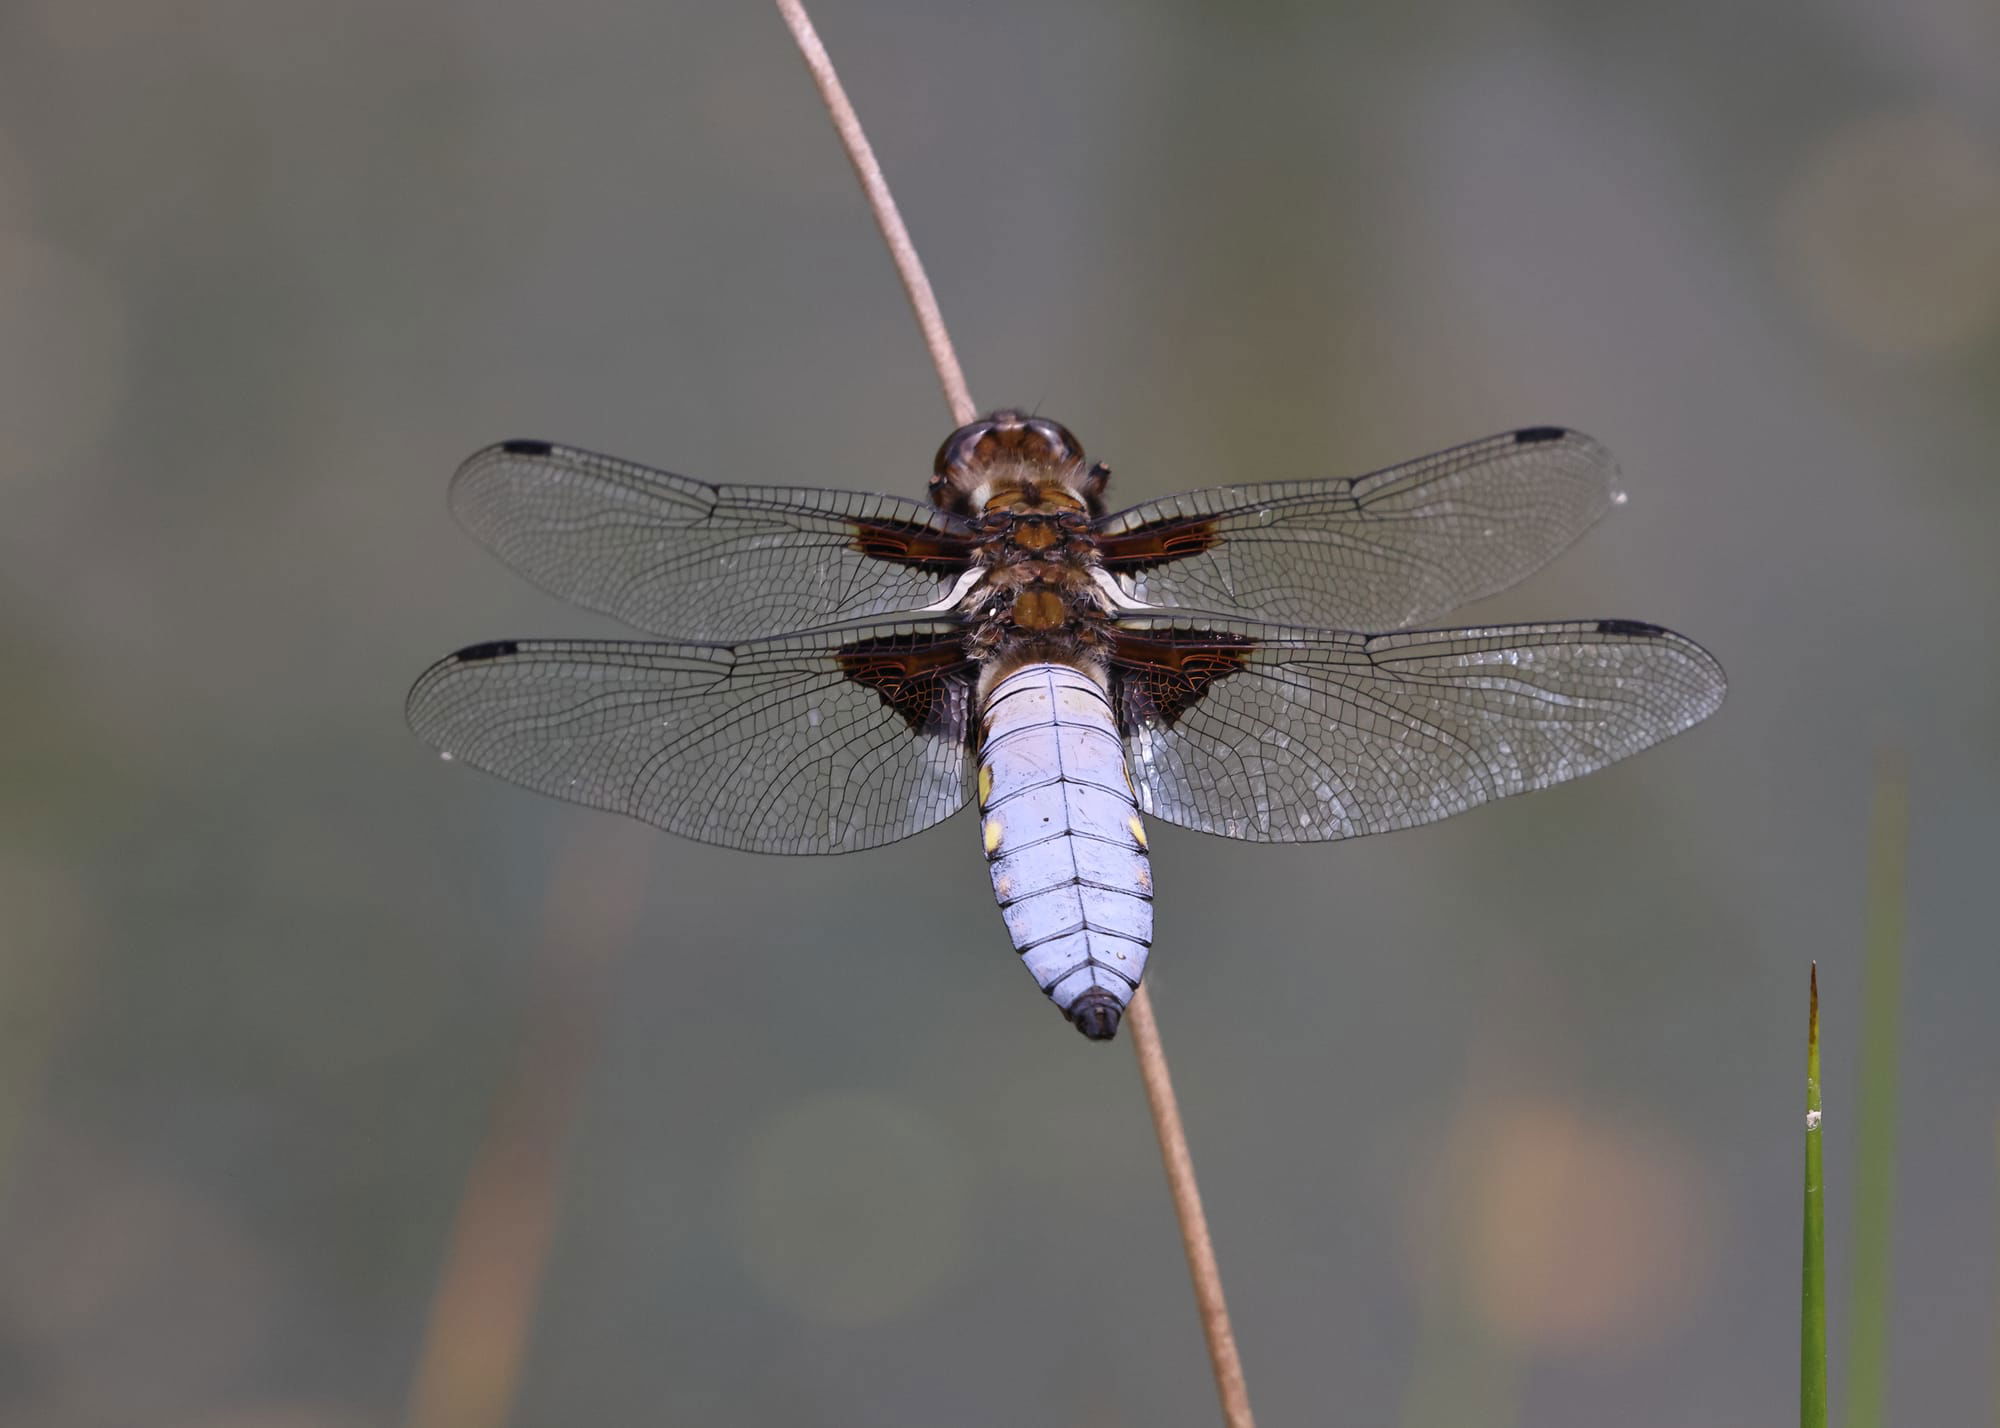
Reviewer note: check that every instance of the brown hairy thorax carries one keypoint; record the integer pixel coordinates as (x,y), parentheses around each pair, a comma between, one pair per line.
(1010,461)
(1024,483)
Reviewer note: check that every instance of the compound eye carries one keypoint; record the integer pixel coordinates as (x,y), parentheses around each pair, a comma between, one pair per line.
(1061,445)
(961,447)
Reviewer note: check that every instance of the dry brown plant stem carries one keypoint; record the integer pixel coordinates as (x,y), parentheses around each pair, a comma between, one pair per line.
(1223,1360)
(908,267)
(1202,1268)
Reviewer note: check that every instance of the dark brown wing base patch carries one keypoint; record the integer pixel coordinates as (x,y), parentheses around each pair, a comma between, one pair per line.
(902,543)
(1156,544)
(1162,673)
(922,678)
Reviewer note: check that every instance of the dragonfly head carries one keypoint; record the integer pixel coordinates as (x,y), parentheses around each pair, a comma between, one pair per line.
(1010,459)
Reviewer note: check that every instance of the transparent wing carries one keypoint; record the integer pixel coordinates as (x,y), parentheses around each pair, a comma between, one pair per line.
(680,558)
(805,744)
(1400,547)
(1283,735)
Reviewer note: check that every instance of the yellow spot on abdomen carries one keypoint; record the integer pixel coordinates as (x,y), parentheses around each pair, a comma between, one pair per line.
(992,832)
(1138,830)
(985,783)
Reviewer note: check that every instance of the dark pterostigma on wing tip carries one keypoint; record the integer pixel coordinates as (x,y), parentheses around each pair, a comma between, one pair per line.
(1096,1014)
(1529,435)
(1635,628)
(526,448)
(492,649)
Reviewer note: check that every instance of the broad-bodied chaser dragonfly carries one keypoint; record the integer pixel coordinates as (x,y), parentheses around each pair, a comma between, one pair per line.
(848,669)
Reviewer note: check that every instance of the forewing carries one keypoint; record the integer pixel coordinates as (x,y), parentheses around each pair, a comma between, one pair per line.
(1283,735)
(1399,547)
(807,744)
(692,561)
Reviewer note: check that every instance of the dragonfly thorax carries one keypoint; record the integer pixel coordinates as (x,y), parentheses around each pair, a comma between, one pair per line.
(1038,597)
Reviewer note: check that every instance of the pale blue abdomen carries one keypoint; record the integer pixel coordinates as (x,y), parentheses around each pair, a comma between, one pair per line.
(1063,836)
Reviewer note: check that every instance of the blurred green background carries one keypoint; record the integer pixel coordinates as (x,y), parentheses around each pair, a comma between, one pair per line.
(341,1087)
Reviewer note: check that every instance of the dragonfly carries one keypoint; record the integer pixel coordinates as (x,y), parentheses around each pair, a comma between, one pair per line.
(836,670)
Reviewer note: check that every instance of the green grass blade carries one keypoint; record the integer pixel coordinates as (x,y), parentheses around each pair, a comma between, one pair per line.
(1875,1118)
(1812,1290)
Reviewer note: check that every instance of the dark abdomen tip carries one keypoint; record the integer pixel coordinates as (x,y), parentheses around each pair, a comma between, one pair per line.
(1096,1014)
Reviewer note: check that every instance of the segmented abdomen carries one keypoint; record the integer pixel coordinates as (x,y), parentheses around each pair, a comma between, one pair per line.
(1063,836)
